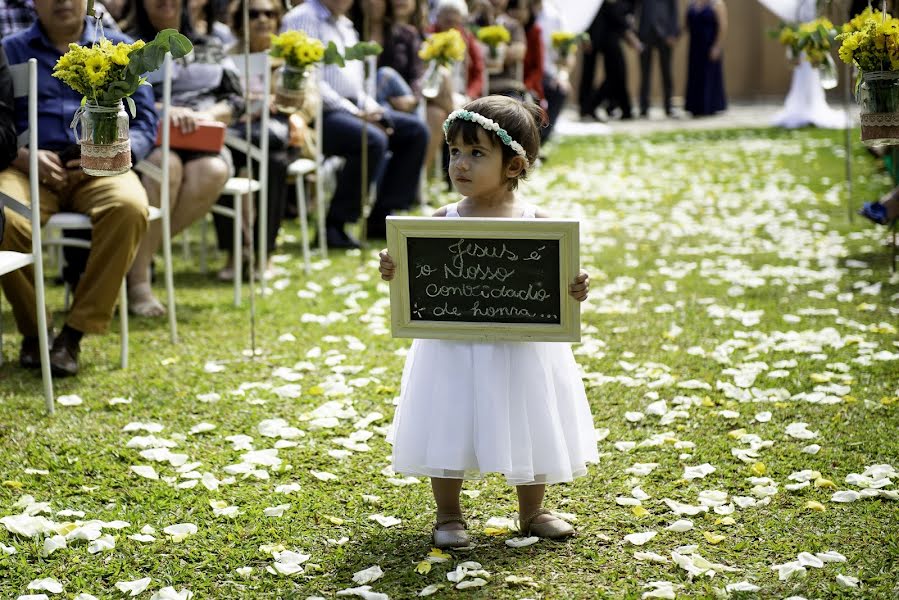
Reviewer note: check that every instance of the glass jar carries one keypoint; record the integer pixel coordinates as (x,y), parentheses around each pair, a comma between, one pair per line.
(828,73)
(105,140)
(290,88)
(433,79)
(878,100)
(495,58)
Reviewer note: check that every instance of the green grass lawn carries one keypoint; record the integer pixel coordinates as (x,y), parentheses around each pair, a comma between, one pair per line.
(729,292)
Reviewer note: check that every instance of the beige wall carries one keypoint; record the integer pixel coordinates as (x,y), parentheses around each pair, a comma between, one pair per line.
(755,67)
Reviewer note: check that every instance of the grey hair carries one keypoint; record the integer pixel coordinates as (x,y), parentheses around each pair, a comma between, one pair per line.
(457,5)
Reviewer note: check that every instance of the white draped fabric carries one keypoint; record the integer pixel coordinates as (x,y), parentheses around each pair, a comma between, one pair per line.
(788,10)
(806,104)
(578,14)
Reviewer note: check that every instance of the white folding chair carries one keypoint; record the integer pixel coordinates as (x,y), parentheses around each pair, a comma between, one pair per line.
(24,78)
(255,64)
(299,169)
(76,221)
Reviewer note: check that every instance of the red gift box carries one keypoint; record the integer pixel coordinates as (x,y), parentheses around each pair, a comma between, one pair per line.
(209,136)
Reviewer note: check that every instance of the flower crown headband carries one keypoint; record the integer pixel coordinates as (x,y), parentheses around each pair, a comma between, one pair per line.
(489,125)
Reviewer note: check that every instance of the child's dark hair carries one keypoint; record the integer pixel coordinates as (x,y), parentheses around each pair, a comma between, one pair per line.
(521,120)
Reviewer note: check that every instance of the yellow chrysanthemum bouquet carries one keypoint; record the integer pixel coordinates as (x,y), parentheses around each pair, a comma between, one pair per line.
(813,39)
(299,52)
(107,74)
(870,41)
(440,50)
(494,37)
(563,42)
(444,48)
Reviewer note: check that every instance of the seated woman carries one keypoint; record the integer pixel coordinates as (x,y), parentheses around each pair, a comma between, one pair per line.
(453,14)
(265,18)
(204,88)
(207,20)
(509,81)
(399,67)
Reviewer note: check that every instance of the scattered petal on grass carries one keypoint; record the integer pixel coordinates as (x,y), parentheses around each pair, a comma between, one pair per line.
(133,587)
(519,542)
(101,544)
(680,526)
(276,511)
(650,556)
(847,581)
(423,568)
(385,521)
(712,538)
(431,590)
(324,475)
(742,586)
(170,593)
(520,580)
(845,496)
(807,559)
(70,400)
(180,531)
(661,589)
(145,471)
(638,539)
(471,583)
(48,584)
(365,592)
(831,557)
(813,505)
(52,544)
(368,575)
(788,570)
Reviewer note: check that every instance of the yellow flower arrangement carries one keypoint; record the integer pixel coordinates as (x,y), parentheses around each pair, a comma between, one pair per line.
(91,71)
(494,35)
(445,47)
(564,41)
(813,38)
(871,44)
(297,49)
(106,73)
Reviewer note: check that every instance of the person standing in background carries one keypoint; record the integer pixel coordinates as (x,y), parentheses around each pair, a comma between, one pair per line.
(658,30)
(707,25)
(556,86)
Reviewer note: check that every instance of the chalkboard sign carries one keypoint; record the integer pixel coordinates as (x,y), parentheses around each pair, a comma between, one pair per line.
(484,279)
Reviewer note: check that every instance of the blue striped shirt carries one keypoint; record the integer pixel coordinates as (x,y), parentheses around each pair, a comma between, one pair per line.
(340,88)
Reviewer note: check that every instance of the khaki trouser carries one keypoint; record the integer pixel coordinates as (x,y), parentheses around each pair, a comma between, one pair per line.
(117,207)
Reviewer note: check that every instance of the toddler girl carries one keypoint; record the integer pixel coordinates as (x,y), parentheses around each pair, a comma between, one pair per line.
(469,408)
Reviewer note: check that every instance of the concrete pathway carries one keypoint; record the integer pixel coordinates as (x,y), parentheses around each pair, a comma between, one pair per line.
(738,115)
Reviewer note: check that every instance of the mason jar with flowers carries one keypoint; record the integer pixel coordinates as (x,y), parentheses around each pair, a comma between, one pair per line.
(440,50)
(871,43)
(299,52)
(563,43)
(814,40)
(107,75)
(495,37)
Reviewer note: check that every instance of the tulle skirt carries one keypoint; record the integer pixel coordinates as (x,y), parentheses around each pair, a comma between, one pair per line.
(515,408)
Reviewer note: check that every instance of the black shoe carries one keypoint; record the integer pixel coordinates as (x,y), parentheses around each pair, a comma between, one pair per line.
(336,237)
(64,356)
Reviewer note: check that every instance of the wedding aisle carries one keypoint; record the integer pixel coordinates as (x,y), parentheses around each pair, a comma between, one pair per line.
(740,352)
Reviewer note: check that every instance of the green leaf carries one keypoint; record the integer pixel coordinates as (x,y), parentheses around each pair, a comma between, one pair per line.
(132,107)
(332,56)
(363,49)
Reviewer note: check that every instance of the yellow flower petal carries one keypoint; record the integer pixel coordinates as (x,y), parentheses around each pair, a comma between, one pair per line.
(758,469)
(712,538)
(423,568)
(495,531)
(824,483)
(639,511)
(812,505)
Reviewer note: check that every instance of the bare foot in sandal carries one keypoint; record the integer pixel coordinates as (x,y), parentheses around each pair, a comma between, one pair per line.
(142,302)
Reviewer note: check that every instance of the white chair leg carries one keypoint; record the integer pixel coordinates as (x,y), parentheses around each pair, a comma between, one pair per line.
(320,209)
(304,224)
(238,247)
(185,245)
(123,325)
(262,237)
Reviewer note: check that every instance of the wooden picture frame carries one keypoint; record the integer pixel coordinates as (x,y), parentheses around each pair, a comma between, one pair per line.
(535,318)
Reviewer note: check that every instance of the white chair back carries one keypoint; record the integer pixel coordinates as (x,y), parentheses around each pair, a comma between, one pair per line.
(24,77)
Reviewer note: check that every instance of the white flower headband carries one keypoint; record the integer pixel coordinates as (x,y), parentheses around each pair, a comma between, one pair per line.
(489,125)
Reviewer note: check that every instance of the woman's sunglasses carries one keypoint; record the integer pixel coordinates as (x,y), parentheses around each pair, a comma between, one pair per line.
(255,14)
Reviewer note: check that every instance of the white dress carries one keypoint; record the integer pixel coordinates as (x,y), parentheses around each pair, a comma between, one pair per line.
(806,103)
(471,408)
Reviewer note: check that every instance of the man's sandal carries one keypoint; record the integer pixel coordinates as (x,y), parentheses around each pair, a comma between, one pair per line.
(450,538)
(554,529)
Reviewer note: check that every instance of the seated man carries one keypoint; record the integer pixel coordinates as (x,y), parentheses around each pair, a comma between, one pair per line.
(116,205)
(347,109)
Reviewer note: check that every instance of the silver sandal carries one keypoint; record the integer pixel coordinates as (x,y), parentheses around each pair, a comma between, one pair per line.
(554,529)
(450,538)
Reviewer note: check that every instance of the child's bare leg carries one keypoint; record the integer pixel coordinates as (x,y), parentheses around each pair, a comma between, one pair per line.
(446,495)
(530,498)
(533,519)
